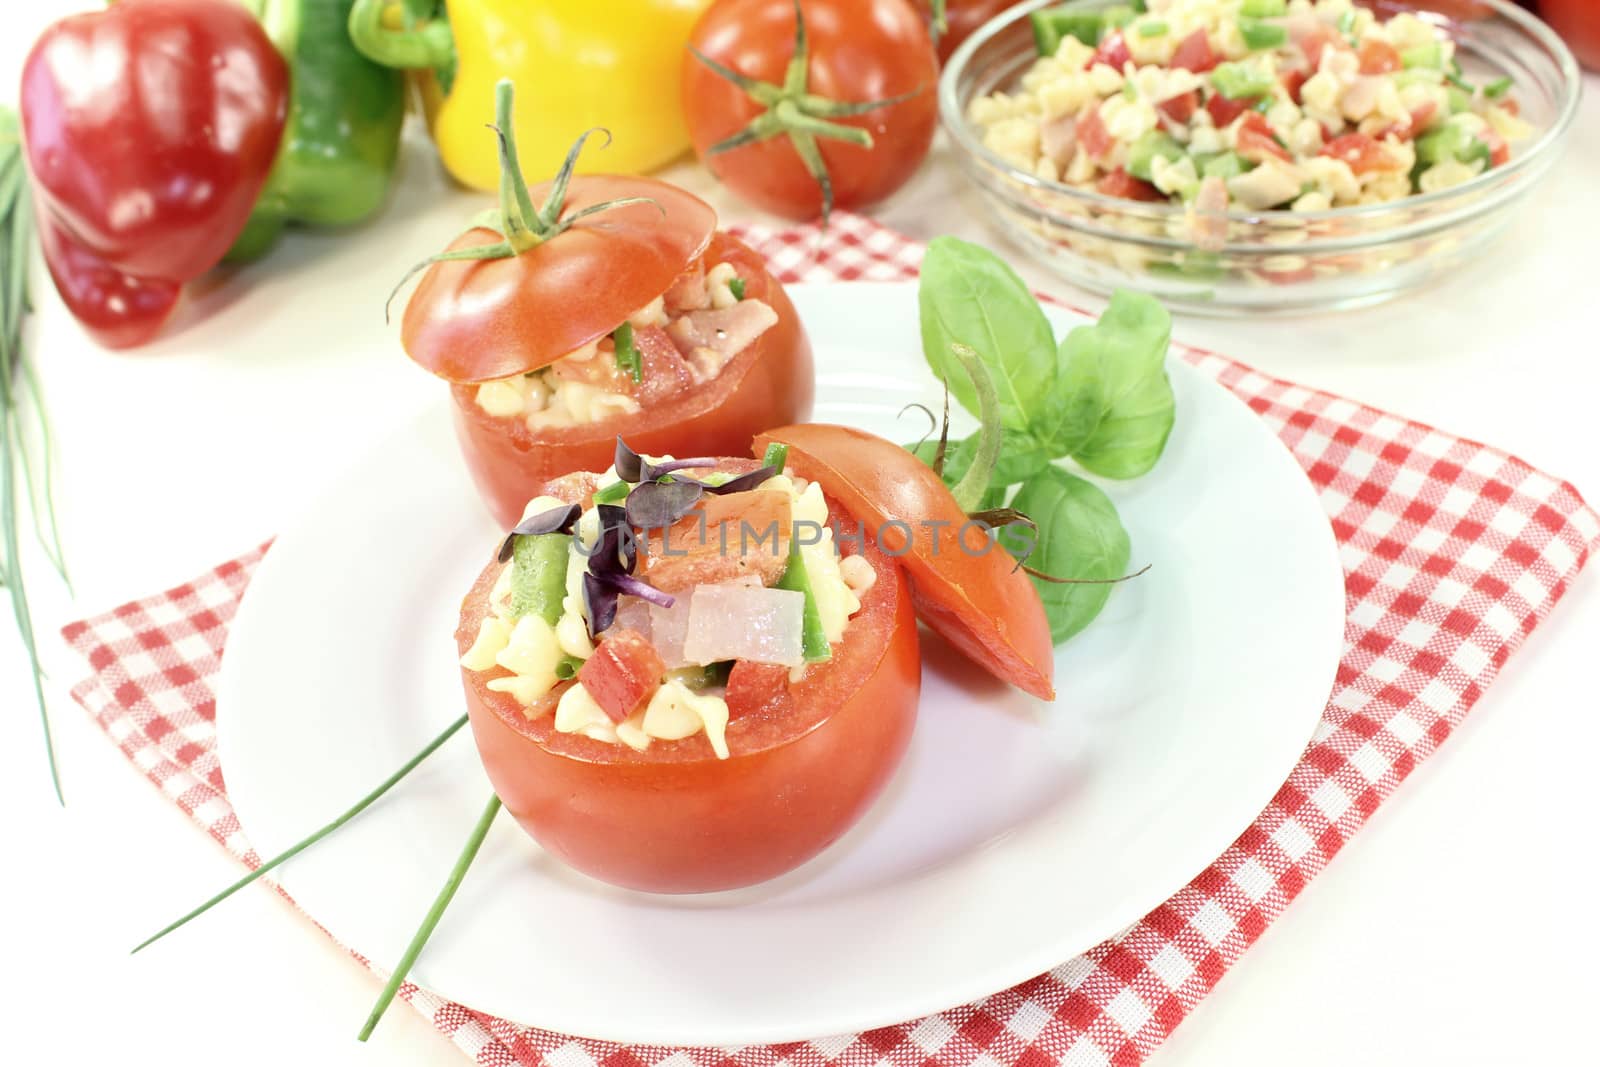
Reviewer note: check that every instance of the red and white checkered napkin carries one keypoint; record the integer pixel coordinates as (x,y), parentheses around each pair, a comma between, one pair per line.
(1454,553)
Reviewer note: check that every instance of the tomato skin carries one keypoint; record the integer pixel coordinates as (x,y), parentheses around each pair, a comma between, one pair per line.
(1180,108)
(1092,133)
(859,51)
(963,18)
(1223,110)
(981,602)
(478,320)
(769,384)
(623,672)
(1113,52)
(1578,23)
(675,819)
(1256,142)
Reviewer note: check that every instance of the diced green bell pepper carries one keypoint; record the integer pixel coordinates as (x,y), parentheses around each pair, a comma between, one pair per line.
(1264,9)
(1143,152)
(1429,56)
(539,575)
(814,640)
(1223,165)
(1449,141)
(1260,35)
(1241,81)
(1152,28)
(342,135)
(1053,25)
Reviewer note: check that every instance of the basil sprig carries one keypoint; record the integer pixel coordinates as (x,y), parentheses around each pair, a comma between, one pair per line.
(1100,397)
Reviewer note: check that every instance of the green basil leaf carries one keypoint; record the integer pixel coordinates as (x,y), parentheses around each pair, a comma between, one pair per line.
(1115,409)
(1079,536)
(970,296)
(1020,458)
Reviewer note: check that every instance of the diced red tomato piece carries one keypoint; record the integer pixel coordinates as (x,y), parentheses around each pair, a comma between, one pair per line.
(1223,111)
(1092,133)
(726,537)
(1318,38)
(1256,142)
(1182,107)
(754,688)
(1293,82)
(1113,52)
(1422,117)
(1194,53)
(1509,103)
(1360,152)
(1120,183)
(1378,57)
(623,672)
(1499,151)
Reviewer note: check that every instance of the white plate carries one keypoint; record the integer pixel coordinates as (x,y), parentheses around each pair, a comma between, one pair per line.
(1015,836)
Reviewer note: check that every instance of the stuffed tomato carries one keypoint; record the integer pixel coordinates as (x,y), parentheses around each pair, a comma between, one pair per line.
(687,679)
(615,308)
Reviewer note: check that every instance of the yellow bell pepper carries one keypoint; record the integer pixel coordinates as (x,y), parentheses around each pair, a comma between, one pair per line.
(577,64)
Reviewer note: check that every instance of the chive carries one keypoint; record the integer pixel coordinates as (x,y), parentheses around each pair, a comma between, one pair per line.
(627,354)
(736,287)
(776,455)
(431,920)
(567,668)
(1347,22)
(813,640)
(306,842)
(16,235)
(1497,88)
(615,493)
(1153,28)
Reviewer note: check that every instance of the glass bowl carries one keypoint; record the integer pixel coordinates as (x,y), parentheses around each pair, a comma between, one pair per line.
(1250,262)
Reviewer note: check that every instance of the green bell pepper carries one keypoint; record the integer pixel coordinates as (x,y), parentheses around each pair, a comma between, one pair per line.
(342,136)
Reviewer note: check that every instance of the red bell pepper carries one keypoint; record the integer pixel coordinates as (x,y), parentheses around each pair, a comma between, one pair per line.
(150,129)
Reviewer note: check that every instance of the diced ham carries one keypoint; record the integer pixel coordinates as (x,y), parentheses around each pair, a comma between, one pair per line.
(623,672)
(1209,224)
(1059,138)
(663,371)
(574,488)
(688,292)
(725,537)
(757,688)
(743,622)
(1316,38)
(595,365)
(709,339)
(1092,133)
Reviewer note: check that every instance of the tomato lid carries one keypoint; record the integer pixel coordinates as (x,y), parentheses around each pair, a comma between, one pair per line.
(965,587)
(478,320)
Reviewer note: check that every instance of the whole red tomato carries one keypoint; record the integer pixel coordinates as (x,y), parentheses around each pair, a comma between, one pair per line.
(769,384)
(962,17)
(674,818)
(847,126)
(1578,22)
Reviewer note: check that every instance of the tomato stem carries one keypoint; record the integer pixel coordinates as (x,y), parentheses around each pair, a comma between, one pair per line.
(793,111)
(447,892)
(970,489)
(941,21)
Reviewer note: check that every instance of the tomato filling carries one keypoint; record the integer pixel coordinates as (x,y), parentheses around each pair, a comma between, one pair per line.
(669,607)
(682,339)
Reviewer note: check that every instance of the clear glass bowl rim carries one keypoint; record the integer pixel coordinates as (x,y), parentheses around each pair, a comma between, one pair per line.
(955,122)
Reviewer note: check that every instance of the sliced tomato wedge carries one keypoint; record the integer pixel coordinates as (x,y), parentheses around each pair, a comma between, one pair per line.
(623,672)
(1120,183)
(1256,142)
(1195,53)
(965,587)
(478,320)
(771,383)
(1223,111)
(674,818)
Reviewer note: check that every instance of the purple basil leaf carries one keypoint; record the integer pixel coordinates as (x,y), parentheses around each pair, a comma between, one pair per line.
(617,552)
(743,482)
(599,604)
(627,583)
(652,471)
(556,520)
(629,464)
(656,505)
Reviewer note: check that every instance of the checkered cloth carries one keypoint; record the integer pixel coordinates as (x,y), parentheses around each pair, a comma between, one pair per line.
(1454,553)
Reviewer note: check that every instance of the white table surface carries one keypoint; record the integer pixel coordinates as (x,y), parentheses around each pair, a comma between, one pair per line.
(1457,928)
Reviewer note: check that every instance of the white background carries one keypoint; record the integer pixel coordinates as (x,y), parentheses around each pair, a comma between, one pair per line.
(1456,928)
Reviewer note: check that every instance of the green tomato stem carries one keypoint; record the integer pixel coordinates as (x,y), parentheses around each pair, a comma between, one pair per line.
(446,893)
(970,489)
